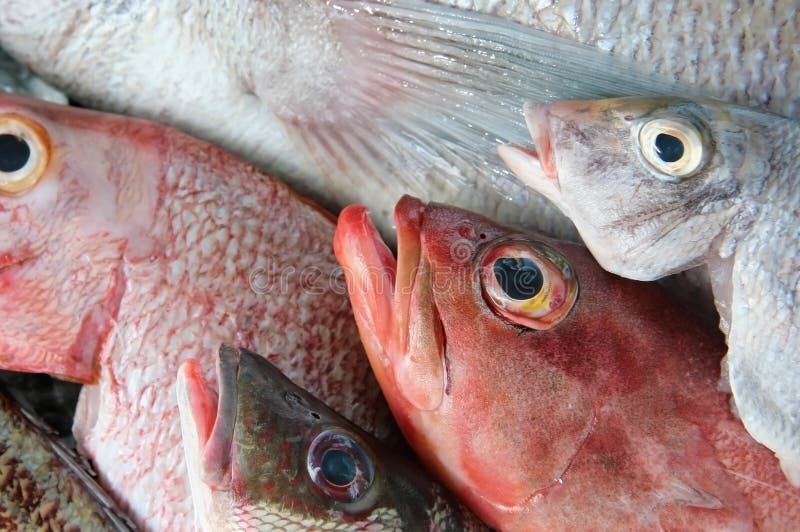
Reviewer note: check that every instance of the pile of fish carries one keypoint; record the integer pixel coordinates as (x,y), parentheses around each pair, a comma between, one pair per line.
(535,389)
(44,486)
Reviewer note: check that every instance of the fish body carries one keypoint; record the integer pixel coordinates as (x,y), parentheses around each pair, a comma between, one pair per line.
(348,101)
(546,392)
(43,485)
(730,200)
(267,454)
(121,238)
(743,52)
(18,79)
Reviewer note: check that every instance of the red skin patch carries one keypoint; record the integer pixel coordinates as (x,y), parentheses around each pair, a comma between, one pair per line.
(147,247)
(610,419)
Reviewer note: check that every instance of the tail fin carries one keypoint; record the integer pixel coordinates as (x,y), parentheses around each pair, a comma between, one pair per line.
(428,92)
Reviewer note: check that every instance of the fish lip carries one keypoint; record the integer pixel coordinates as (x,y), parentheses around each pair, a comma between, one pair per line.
(394,308)
(217,451)
(537,118)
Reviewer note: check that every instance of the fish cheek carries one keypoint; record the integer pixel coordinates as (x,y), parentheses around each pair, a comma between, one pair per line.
(517,413)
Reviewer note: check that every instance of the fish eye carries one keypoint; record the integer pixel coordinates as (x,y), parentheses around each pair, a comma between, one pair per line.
(528,283)
(24,154)
(673,147)
(339,466)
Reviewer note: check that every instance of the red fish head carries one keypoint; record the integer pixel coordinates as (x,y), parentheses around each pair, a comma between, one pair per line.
(533,382)
(70,217)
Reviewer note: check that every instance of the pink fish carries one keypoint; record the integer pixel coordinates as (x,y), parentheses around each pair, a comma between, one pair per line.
(127,247)
(545,392)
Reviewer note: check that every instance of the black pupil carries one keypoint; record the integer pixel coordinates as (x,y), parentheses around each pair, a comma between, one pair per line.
(339,468)
(519,277)
(669,148)
(14,153)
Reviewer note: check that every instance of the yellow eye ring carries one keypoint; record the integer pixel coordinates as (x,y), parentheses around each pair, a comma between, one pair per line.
(24,153)
(672,146)
(528,283)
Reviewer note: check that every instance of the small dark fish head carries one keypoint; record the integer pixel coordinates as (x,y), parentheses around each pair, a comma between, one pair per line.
(276,455)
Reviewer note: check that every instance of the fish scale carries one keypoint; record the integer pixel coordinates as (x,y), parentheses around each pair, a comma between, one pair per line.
(110,209)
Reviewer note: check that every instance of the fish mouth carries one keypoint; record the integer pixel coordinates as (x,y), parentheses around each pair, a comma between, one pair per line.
(534,166)
(212,414)
(392,300)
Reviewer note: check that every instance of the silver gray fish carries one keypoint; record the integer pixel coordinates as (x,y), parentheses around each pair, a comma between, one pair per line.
(43,486)
(744,52)
(657,186)
(267,454)
(16,78)
(347,101)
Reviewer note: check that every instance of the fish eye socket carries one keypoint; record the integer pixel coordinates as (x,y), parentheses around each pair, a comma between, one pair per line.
(24,154)
(339,466)
(673,147)
(528,283)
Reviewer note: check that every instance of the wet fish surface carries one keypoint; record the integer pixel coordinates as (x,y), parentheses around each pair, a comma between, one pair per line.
(268,455)
(546,392)
(127,247)
(657,186)
(43,486)
(18,79)
(348,101)
(743,52)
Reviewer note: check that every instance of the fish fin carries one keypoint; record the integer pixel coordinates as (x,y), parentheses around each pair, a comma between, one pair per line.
(425,90)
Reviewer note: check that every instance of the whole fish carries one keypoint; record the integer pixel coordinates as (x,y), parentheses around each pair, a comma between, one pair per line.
(657,186)
(126,247)
(267,454)
(546,392)
(347,101)
(43,486)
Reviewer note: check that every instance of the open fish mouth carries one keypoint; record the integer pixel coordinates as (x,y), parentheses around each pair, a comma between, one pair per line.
(210,417)
(535,166)
(393,301)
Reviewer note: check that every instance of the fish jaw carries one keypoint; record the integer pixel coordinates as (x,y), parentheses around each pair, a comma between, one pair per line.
(535,166)
(393,303)
(197,407)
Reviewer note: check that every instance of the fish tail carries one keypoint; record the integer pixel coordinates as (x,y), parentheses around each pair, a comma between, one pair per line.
(427,90)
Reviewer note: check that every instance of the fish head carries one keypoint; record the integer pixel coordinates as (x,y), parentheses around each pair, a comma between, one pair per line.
(519,369)
(650,183)
(268,453)
(475,339)
(68,212)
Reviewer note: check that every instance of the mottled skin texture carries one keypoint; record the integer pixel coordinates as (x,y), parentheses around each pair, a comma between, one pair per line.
(263,433)
(609,420)
(40,489)
(140,247)
(742,51)
(739,213)
(354,101)
(348,101)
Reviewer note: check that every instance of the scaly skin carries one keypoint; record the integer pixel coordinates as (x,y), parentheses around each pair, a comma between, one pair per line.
(741,51)
(42,489)
(140,247)
(250,469)
(608,420)
(738,213)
